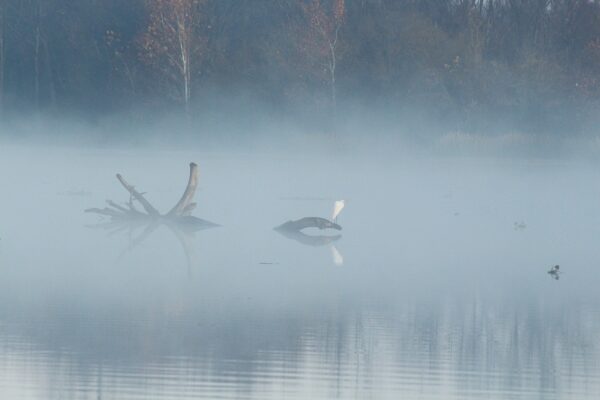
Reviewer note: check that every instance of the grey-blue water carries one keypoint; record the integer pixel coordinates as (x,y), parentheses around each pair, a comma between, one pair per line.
(437,289)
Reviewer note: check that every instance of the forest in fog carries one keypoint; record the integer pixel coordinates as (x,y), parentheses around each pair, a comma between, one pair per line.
(473,65)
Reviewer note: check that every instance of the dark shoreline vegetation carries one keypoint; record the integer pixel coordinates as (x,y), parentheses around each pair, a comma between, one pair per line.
(458,69)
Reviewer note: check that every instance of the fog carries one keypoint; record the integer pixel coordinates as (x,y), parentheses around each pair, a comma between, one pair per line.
(437,286)
(171,171)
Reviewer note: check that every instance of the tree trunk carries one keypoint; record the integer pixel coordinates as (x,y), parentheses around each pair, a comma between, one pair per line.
(184,48)
(49,74)
(36,59)
(2,11)
(332,77)
(332,71)
(308,222)
(186,91)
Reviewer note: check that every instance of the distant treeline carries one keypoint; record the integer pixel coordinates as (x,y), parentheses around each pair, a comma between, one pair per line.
(532,64)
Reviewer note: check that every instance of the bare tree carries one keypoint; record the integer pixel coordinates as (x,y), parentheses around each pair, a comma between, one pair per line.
(173,43)
(2,56)
(321,42)
(36,52)
(123,61)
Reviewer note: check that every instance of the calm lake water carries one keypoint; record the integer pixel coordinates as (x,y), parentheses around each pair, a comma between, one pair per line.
(437,288)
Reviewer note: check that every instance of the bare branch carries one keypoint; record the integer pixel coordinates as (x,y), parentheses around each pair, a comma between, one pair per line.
(184,205)
(139,197)
(128,211)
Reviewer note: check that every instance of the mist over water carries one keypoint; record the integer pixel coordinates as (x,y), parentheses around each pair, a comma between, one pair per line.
(439,288)
(460,136)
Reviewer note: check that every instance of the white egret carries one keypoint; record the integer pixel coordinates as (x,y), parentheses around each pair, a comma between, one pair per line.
(338,206)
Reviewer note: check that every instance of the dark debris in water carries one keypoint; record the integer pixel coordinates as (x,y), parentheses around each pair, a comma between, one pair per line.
(554,272)
(519,226)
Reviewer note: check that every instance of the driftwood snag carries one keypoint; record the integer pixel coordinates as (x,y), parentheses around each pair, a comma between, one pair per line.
(179,216)
(128,217)
(185,205)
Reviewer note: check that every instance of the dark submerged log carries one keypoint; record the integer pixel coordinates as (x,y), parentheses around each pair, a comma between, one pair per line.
(293,230)
(308,222)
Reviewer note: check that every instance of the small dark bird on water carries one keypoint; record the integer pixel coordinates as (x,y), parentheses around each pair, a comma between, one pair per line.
(554,272)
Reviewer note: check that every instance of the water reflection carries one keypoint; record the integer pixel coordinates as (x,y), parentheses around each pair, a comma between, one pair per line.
(308,240)
(137,232)
(294,230)
(452,350)
(427,305)
(554,272)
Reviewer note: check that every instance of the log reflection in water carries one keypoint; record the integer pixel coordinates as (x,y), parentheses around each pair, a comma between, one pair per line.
(179,220)
(293,230)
